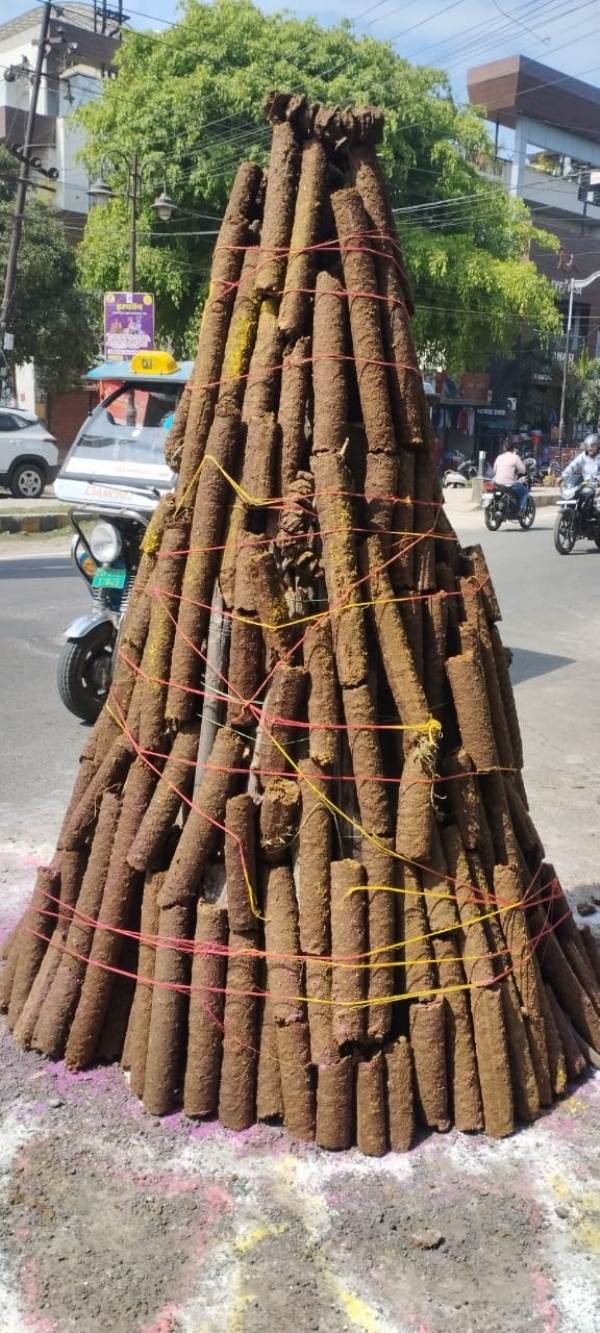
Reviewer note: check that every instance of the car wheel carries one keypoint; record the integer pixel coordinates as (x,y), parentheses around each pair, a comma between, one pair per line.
(564,532)
(85,672)
(27,482)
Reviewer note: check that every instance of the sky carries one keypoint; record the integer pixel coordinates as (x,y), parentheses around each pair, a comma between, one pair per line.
(452,35)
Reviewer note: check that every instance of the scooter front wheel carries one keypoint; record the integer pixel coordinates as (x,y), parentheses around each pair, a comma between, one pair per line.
(85,672)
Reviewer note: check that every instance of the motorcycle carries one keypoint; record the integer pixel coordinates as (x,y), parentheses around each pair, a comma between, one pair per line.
(114,476)
(578,517)
(501,506)
(107,561)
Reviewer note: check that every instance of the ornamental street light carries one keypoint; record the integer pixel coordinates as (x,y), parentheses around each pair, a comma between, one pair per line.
(573,285)
(101,192)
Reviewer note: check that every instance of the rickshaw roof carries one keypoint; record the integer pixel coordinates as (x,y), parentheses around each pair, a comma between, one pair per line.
(121,370)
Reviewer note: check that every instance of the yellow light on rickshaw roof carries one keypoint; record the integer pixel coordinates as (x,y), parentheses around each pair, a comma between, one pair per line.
(153,363)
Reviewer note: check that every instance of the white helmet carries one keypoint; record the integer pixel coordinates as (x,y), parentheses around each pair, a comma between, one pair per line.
(592,442)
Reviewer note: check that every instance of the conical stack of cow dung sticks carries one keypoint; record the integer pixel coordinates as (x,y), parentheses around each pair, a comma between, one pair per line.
(297,879)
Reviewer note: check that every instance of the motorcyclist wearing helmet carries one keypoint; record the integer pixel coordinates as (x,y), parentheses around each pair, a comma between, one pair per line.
(587,463)
(508,468)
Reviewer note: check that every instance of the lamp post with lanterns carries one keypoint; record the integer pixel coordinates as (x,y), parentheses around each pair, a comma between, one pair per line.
(100,192)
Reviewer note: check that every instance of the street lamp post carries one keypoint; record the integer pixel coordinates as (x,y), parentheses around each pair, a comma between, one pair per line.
(101,192)
(163,205)
(573,286)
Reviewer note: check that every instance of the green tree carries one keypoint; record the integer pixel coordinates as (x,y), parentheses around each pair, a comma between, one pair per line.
(194,93)
(583,392)
(51,317)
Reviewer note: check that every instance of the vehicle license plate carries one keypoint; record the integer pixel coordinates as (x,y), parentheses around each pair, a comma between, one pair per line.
(109,578)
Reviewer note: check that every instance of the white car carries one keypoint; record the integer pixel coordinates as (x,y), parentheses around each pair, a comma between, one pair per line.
(28,454)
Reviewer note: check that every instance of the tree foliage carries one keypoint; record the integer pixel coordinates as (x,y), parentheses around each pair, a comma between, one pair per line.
(193,94)
(51,318)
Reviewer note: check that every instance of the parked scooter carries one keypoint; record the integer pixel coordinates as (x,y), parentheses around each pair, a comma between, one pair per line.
(578,517)
(501,506)
(107,559)
(461,475)
(114,476)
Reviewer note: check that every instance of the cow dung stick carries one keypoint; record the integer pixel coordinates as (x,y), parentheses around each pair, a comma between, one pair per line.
(315,859)
(297,1082)
(384,956)
(283,708)
(37,926)
(365,320)
(139,1019)
(165,592)
(241,335)
(400,1097)
(54,1018)
(237,1089)
(406,688)
(394,287)
(323,1046)
(201,566)
(428,1044)
(269,1098)
(205,1018)
(300,272)
(176,901)
(336,521)
(371,1133)
(463,1078)
(118,896)
(264,375)
(293,405)
(72,868)
(349,949)
(176,783)
(367,763)
(282,945)
(226,269)
(240,864)
(330,333)
(335,1087)
(279,207)
(323,706)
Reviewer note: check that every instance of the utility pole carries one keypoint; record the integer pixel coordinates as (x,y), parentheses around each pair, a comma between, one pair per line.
(10,279)
(563,395)
(133,202)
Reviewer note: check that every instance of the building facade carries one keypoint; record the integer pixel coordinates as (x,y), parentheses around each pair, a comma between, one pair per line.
(80,52)
(554,167)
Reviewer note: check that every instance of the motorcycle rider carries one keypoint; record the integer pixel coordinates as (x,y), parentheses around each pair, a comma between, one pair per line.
(508,467)
(587,463)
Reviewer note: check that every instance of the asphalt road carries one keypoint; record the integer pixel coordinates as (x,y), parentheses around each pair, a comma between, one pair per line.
(550,620)
(39,595)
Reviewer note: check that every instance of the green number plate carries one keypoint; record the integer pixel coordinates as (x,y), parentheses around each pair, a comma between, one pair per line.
(109,578)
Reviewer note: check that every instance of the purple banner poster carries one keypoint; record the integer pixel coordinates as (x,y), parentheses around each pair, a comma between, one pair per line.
(128,324)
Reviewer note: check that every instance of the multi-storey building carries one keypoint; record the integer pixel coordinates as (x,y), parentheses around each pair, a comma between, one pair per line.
(554,167)
(80,51)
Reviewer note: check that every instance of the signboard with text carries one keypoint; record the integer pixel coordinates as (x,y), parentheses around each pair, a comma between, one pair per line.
(128,324)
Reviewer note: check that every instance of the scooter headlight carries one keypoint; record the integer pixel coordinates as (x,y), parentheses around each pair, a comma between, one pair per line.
(105,543)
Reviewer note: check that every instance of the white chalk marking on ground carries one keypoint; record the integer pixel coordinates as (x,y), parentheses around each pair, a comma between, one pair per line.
(13,1136)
